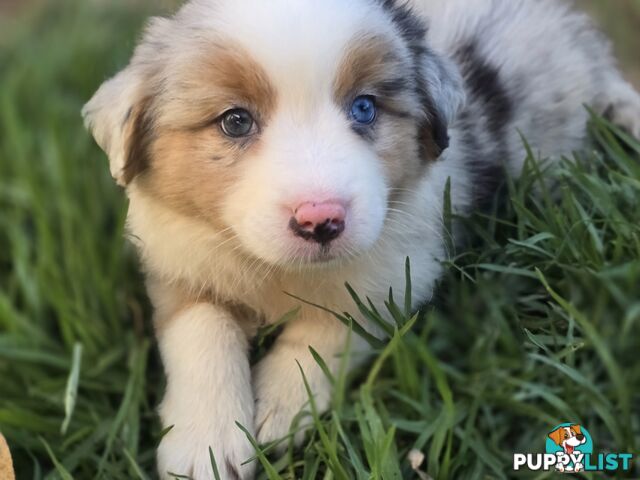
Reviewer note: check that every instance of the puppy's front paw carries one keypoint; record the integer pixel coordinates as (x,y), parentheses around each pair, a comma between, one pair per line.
(186,452)
(624,110)
(208,391)
(627,117)
(281,395)
(279,399)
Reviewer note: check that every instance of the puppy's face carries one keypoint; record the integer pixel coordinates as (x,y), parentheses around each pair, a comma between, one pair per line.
(285,126)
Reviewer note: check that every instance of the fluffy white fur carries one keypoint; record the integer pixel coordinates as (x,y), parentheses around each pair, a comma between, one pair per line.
(550,63)
(208,390)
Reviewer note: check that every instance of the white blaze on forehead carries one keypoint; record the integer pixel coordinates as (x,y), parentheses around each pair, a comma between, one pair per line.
(307,150)
(300,44)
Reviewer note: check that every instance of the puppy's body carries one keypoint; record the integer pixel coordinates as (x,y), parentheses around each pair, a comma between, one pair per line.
(209,215)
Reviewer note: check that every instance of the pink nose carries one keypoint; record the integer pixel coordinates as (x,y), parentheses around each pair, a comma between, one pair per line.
(321,222)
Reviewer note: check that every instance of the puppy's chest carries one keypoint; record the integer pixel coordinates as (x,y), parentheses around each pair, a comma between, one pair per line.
(254,304)
(249,320)
(262,303)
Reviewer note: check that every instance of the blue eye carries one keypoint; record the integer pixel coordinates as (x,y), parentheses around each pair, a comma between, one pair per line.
(363,109)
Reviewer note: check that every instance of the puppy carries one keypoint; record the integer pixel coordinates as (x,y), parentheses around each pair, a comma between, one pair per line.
(271,146)
(568,438)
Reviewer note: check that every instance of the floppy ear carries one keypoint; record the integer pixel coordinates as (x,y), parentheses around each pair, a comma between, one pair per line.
(120,122)
(120,115)
(443,98)
(557,435)
(441,85)
(576,429)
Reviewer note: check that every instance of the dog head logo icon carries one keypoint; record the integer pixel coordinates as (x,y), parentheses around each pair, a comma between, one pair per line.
(569,442)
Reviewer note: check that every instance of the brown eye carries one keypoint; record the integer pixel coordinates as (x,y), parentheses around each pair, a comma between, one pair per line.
(237,123)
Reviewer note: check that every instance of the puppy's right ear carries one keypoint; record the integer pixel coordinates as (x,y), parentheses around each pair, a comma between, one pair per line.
(120,115)
(120,120)
(444,98)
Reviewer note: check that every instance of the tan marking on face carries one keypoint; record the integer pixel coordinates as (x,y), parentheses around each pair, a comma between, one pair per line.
(398,148)
(218,77)
(375,65)
(193,163)
(192,171)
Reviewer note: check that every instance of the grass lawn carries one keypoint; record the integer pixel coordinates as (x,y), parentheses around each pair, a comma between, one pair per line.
(536,324)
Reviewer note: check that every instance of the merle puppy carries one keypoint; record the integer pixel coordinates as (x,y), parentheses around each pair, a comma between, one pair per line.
(271,146)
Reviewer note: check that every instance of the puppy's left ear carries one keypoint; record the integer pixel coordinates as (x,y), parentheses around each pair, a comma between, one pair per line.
(443,97)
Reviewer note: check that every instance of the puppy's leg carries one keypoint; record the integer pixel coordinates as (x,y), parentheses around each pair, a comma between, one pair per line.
(621,104)
(277,381)
(205,354)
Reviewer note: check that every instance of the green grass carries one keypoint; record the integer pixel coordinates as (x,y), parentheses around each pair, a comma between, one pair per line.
(537,323)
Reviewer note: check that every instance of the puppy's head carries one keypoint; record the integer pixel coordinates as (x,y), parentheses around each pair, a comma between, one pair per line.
(286,125)
(568,437)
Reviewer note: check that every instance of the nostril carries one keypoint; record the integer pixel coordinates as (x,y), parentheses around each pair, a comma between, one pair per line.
(328,231)
(337,224)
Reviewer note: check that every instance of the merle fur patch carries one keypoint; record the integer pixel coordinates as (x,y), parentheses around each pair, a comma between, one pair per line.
(489,113)
(433,134)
